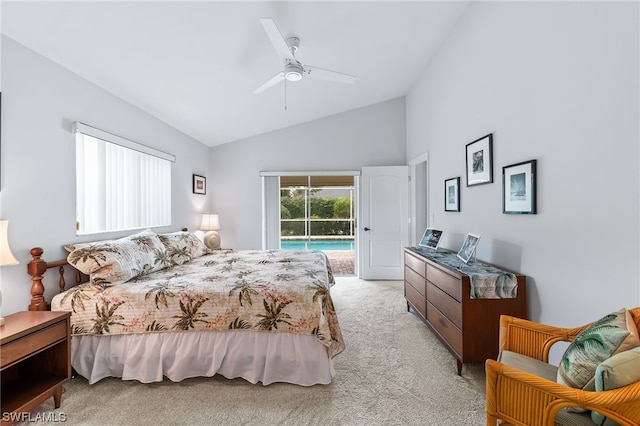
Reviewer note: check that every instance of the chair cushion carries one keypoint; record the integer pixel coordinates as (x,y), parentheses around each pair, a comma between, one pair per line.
(620,370)
(528,364)
(609,335)
(566,417)
(549,372)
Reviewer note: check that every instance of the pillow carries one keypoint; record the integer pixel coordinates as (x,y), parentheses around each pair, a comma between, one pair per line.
(183,246)
(620,370)
(604,338)
(117,261)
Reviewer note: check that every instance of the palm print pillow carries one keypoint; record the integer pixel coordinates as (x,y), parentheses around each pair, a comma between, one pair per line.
(117,261)
(183,246)
(609,335)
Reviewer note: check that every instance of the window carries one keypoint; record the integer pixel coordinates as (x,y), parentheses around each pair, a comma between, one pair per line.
(120,184)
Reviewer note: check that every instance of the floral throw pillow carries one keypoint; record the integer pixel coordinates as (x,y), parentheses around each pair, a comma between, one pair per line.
(117,261)
(183,246)
(609,335)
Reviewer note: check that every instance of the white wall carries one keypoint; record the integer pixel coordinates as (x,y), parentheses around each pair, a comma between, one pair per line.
(370,136)
(40,100)
(556,82)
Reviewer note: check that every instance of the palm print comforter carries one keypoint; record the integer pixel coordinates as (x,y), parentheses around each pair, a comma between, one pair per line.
(269,291)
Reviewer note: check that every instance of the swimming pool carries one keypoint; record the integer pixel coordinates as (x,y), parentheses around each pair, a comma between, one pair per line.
(317,244)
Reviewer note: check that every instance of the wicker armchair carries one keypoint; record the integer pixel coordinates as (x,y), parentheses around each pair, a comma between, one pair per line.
(521,398)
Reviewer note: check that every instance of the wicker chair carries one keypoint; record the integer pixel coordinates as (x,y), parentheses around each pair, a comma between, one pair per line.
(520,398)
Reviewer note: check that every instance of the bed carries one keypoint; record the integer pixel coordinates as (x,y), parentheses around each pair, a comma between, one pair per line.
(163,305)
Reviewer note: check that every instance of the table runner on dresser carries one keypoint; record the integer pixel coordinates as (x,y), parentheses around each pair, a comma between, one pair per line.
(487,282)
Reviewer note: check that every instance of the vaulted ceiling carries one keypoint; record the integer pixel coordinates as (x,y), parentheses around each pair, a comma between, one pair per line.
(195,65)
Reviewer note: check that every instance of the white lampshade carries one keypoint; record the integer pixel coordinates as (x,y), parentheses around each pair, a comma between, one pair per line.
(6,257)
(210,222)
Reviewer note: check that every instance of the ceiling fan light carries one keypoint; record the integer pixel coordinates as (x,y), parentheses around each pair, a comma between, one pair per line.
(293,76)
(293,72)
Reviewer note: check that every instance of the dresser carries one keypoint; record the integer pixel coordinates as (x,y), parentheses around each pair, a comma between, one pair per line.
(34,361)
(439,291)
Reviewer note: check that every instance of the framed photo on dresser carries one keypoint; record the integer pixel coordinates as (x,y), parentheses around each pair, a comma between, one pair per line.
(468,247)
(431,238)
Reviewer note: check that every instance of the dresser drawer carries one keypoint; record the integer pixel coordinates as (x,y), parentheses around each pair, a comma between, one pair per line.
(416,299)
(450,307)
(445,327)
(449,284)
(27,345)
(416,281)
(415,264)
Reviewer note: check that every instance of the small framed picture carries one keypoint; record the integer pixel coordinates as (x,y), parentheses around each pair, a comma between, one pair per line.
(519,188)
(199,184)
(469,247)
(431,238)
(480,161)
(452,195)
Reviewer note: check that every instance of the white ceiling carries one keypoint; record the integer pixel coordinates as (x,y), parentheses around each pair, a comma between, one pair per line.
(194,65)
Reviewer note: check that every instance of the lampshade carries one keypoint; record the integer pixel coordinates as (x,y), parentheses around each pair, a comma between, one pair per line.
(6,257)
(210,222)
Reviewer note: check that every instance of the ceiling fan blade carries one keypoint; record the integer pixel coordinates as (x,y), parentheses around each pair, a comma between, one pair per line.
(277,40)
(329,75)
(269,83)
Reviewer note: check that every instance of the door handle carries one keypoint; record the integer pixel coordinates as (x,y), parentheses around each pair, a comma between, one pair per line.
(367,229)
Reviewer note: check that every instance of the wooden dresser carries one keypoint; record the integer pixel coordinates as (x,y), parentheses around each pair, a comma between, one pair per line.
(441,296)
(35,360)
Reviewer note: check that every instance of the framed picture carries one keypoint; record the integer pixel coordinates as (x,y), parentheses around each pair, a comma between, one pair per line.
(452,195)
(199,184)
(469,247)
(431,238)
(519,188)
(480,161)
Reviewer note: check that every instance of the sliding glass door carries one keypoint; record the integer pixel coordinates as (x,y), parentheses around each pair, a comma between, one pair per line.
(317,212)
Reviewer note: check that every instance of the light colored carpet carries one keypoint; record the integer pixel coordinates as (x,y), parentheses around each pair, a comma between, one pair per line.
(393,372)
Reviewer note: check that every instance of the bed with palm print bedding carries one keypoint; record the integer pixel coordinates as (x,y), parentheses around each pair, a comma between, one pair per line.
(162,305)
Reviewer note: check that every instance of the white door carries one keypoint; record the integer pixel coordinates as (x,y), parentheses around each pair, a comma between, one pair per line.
(384,221)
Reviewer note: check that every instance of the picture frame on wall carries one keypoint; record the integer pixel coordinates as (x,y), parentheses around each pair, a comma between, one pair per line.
(519,188)
(199,184)
(468,247)
(452,194)
(479,158)
(431,238)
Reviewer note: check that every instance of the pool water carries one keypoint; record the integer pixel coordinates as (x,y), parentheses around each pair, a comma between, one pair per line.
(317,244)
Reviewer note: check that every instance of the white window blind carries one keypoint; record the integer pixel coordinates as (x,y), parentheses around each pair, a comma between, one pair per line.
(119,185)
(270,212)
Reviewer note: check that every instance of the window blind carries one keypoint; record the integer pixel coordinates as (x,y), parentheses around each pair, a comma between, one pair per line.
(119,187)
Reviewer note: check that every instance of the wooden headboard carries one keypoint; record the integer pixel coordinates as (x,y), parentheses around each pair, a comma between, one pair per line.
(36,268)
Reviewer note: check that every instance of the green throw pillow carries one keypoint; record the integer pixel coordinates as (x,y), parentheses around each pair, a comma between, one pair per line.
(620,370)
(609,335)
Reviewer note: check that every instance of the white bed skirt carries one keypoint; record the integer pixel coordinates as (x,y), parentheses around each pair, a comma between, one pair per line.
(255,356)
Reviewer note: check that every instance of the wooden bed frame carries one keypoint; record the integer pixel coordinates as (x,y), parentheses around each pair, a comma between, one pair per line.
(36,268)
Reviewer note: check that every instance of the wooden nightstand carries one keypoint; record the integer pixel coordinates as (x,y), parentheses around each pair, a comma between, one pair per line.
(35,360)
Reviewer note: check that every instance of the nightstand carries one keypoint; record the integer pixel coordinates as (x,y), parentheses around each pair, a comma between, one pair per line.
(35,360)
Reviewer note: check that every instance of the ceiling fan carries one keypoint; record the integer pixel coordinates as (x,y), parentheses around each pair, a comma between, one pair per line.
(293,68)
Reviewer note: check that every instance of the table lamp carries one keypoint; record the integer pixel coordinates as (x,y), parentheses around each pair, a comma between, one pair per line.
(6,257)
(211,224)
